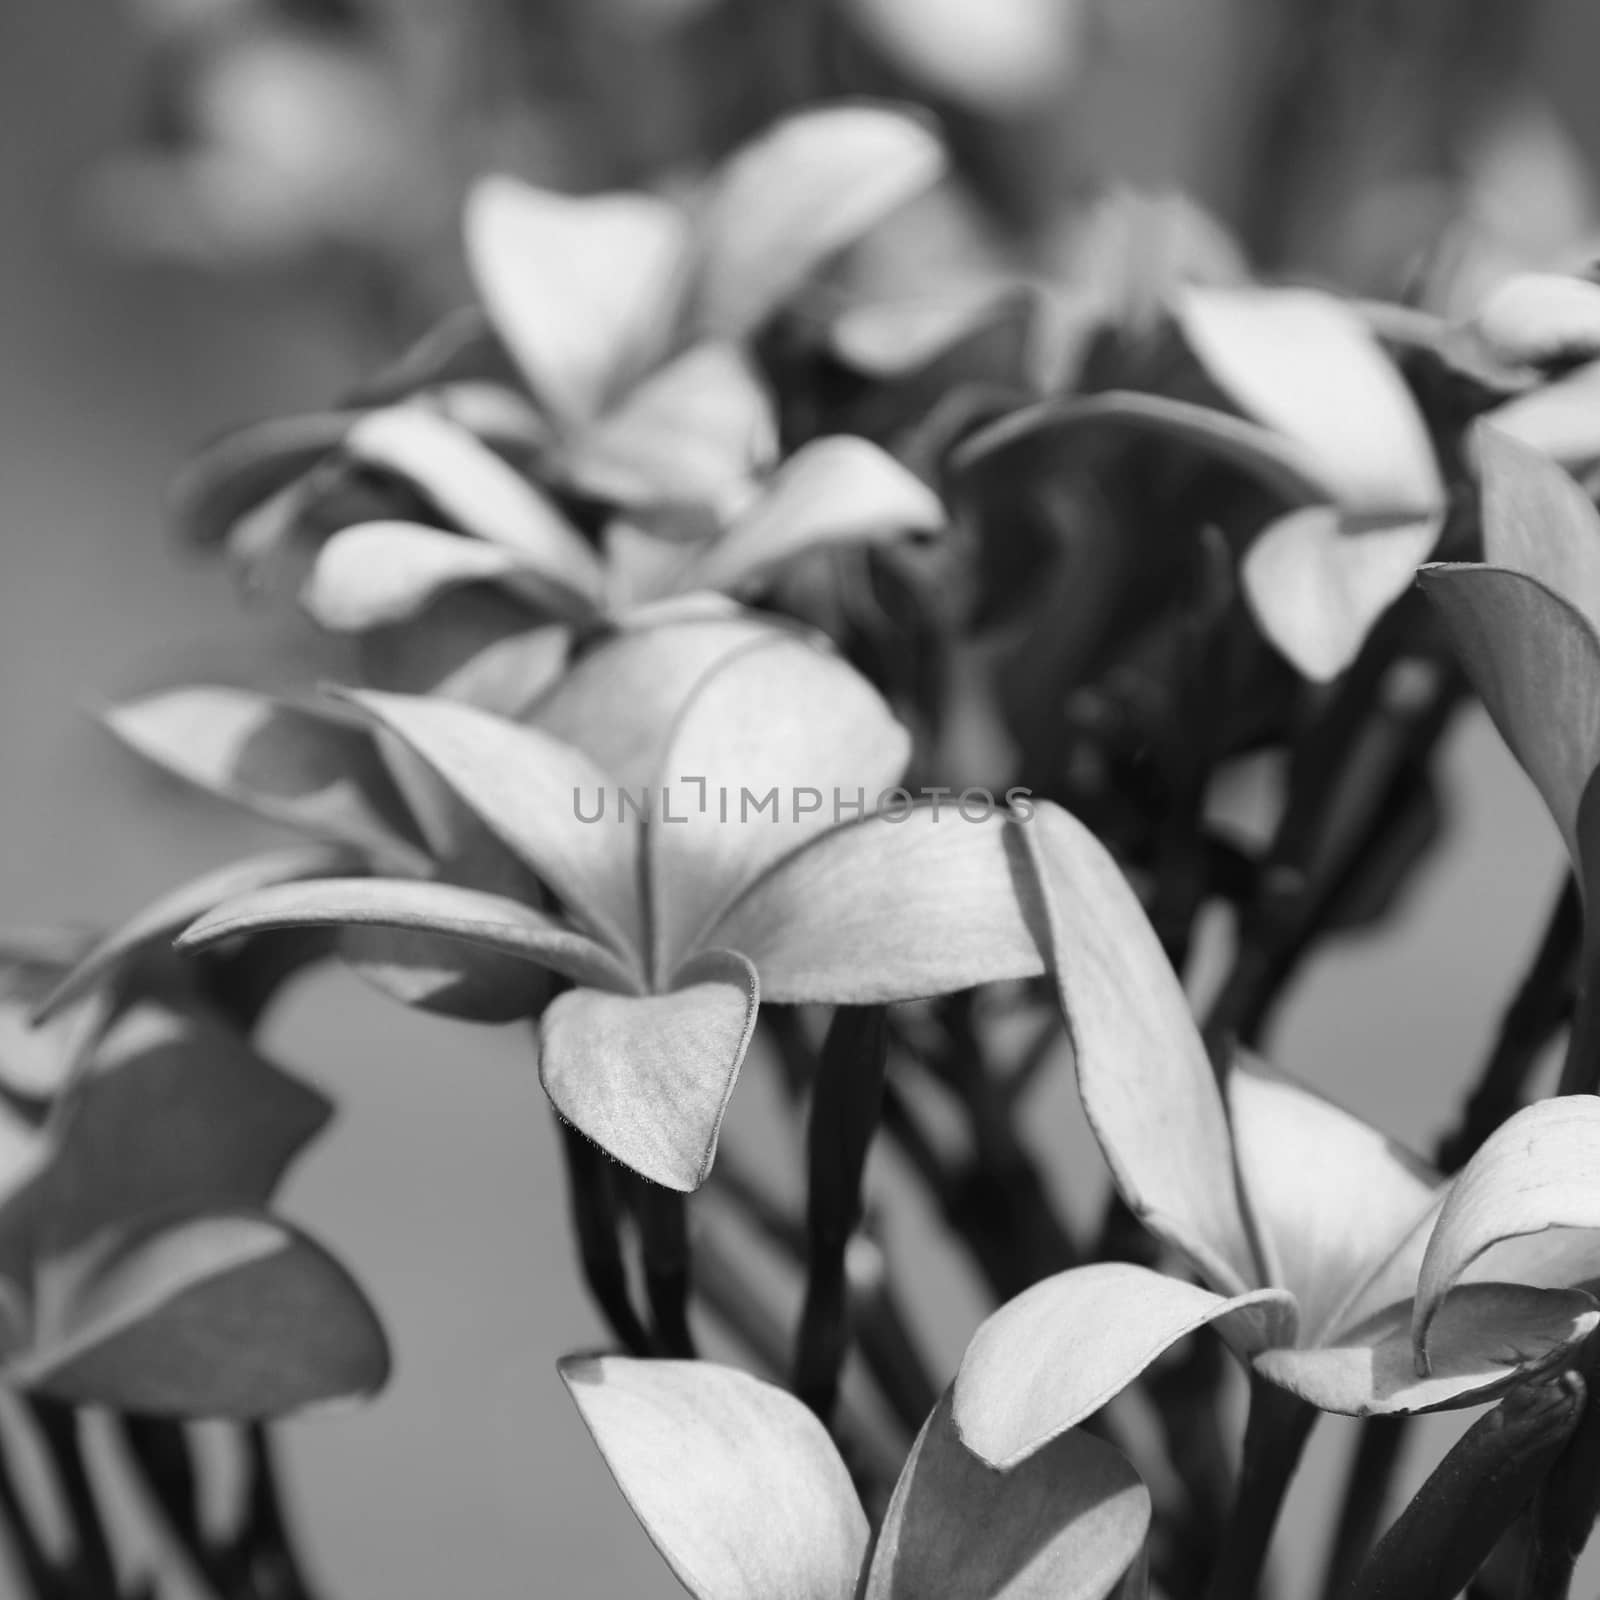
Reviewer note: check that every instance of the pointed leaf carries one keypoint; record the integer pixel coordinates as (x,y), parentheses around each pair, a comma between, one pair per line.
(1485,1339)
(1062,1349)
(1331,1196)
(1146,1083)
(881,910)
(791,198)
(783,717)
(1540,319)
(159,922)
(831,492)
(528,788)
(379,573)
(1557,418)
(294,765)
(1066,1525)
(648,1077)
(441,912)
(247,465)
(695,432)
(1317,586)
(737,1483)
(1537,521)
(577,288)
(1535,662)
(237,1316)
(1357,420)
(478,491)
(1537,1171)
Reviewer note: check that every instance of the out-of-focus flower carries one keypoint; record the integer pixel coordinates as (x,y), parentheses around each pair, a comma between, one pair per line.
(743,1493)
(1336,1265)
(685,806)
(141,1264)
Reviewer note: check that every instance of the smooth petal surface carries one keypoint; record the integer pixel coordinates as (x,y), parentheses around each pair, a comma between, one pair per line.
(528,789)
(292,764)
(1062,1349)
(1146,1083)
(577,288)
(784,717)
(1539,1170)
(1540,319)
(477,491)
(1002,59)
(1558,418)
(508,675)
(1535,662)
(1485,1338)
(245,466)
(1356,418)
(1066,1525)
(798,194)
(648,1077)
(1331,1196)
(158,922)
(831,492)
(879,911)
(695,432)
(438,911)
(1536,520)
(378,573)
(237,1316)
(1317,586)
(736,1482)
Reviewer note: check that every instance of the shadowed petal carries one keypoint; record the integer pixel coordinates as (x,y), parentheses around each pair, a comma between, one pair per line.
(1065,1525)
(1146,1083)
(528,789)
(1060,1350)
(1331,1196)
(1539,1170)
(1484,1338)
(879,911)
(237,1316)
(830,492)
(648,1077)
(736,1482)
(1557,418)
(577,288)
(784,717)
(442,912)
(796,195)
(300,766)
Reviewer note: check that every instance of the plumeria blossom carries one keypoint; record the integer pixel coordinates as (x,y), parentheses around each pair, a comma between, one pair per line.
(141,1263)
(1330,1260)
(1319,576)
(626,318)
(743,1493)
(709,824)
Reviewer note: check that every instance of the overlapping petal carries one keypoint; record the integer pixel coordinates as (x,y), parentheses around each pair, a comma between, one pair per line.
(1059,1351)
(736,1482)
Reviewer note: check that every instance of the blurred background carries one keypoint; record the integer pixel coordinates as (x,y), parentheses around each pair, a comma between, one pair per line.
(212,210)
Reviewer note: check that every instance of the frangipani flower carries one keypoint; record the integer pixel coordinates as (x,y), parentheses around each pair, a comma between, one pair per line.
(743,1493)
(140,1264)
(686,806)
(1333,1263)
(1304,364)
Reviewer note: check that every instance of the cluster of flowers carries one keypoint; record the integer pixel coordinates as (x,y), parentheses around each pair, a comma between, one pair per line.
(609,529)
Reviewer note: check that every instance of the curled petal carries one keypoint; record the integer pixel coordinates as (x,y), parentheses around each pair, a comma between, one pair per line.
(1484,1338)
(1538,1171)
(648,1077)
(1068,1523)
(1062,1349)
(736,1482)
(1540,319)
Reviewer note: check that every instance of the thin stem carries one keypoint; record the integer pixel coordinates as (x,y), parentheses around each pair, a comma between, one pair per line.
(1563,1512)
(663,1217)
(1376,1459)
(1275,1434)
(94,1566)
(265,1542)
(845,1106)
(597,1221)
(1580,1072)
(19,1533)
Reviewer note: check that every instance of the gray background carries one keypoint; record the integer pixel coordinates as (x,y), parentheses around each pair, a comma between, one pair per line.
(439,1183)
